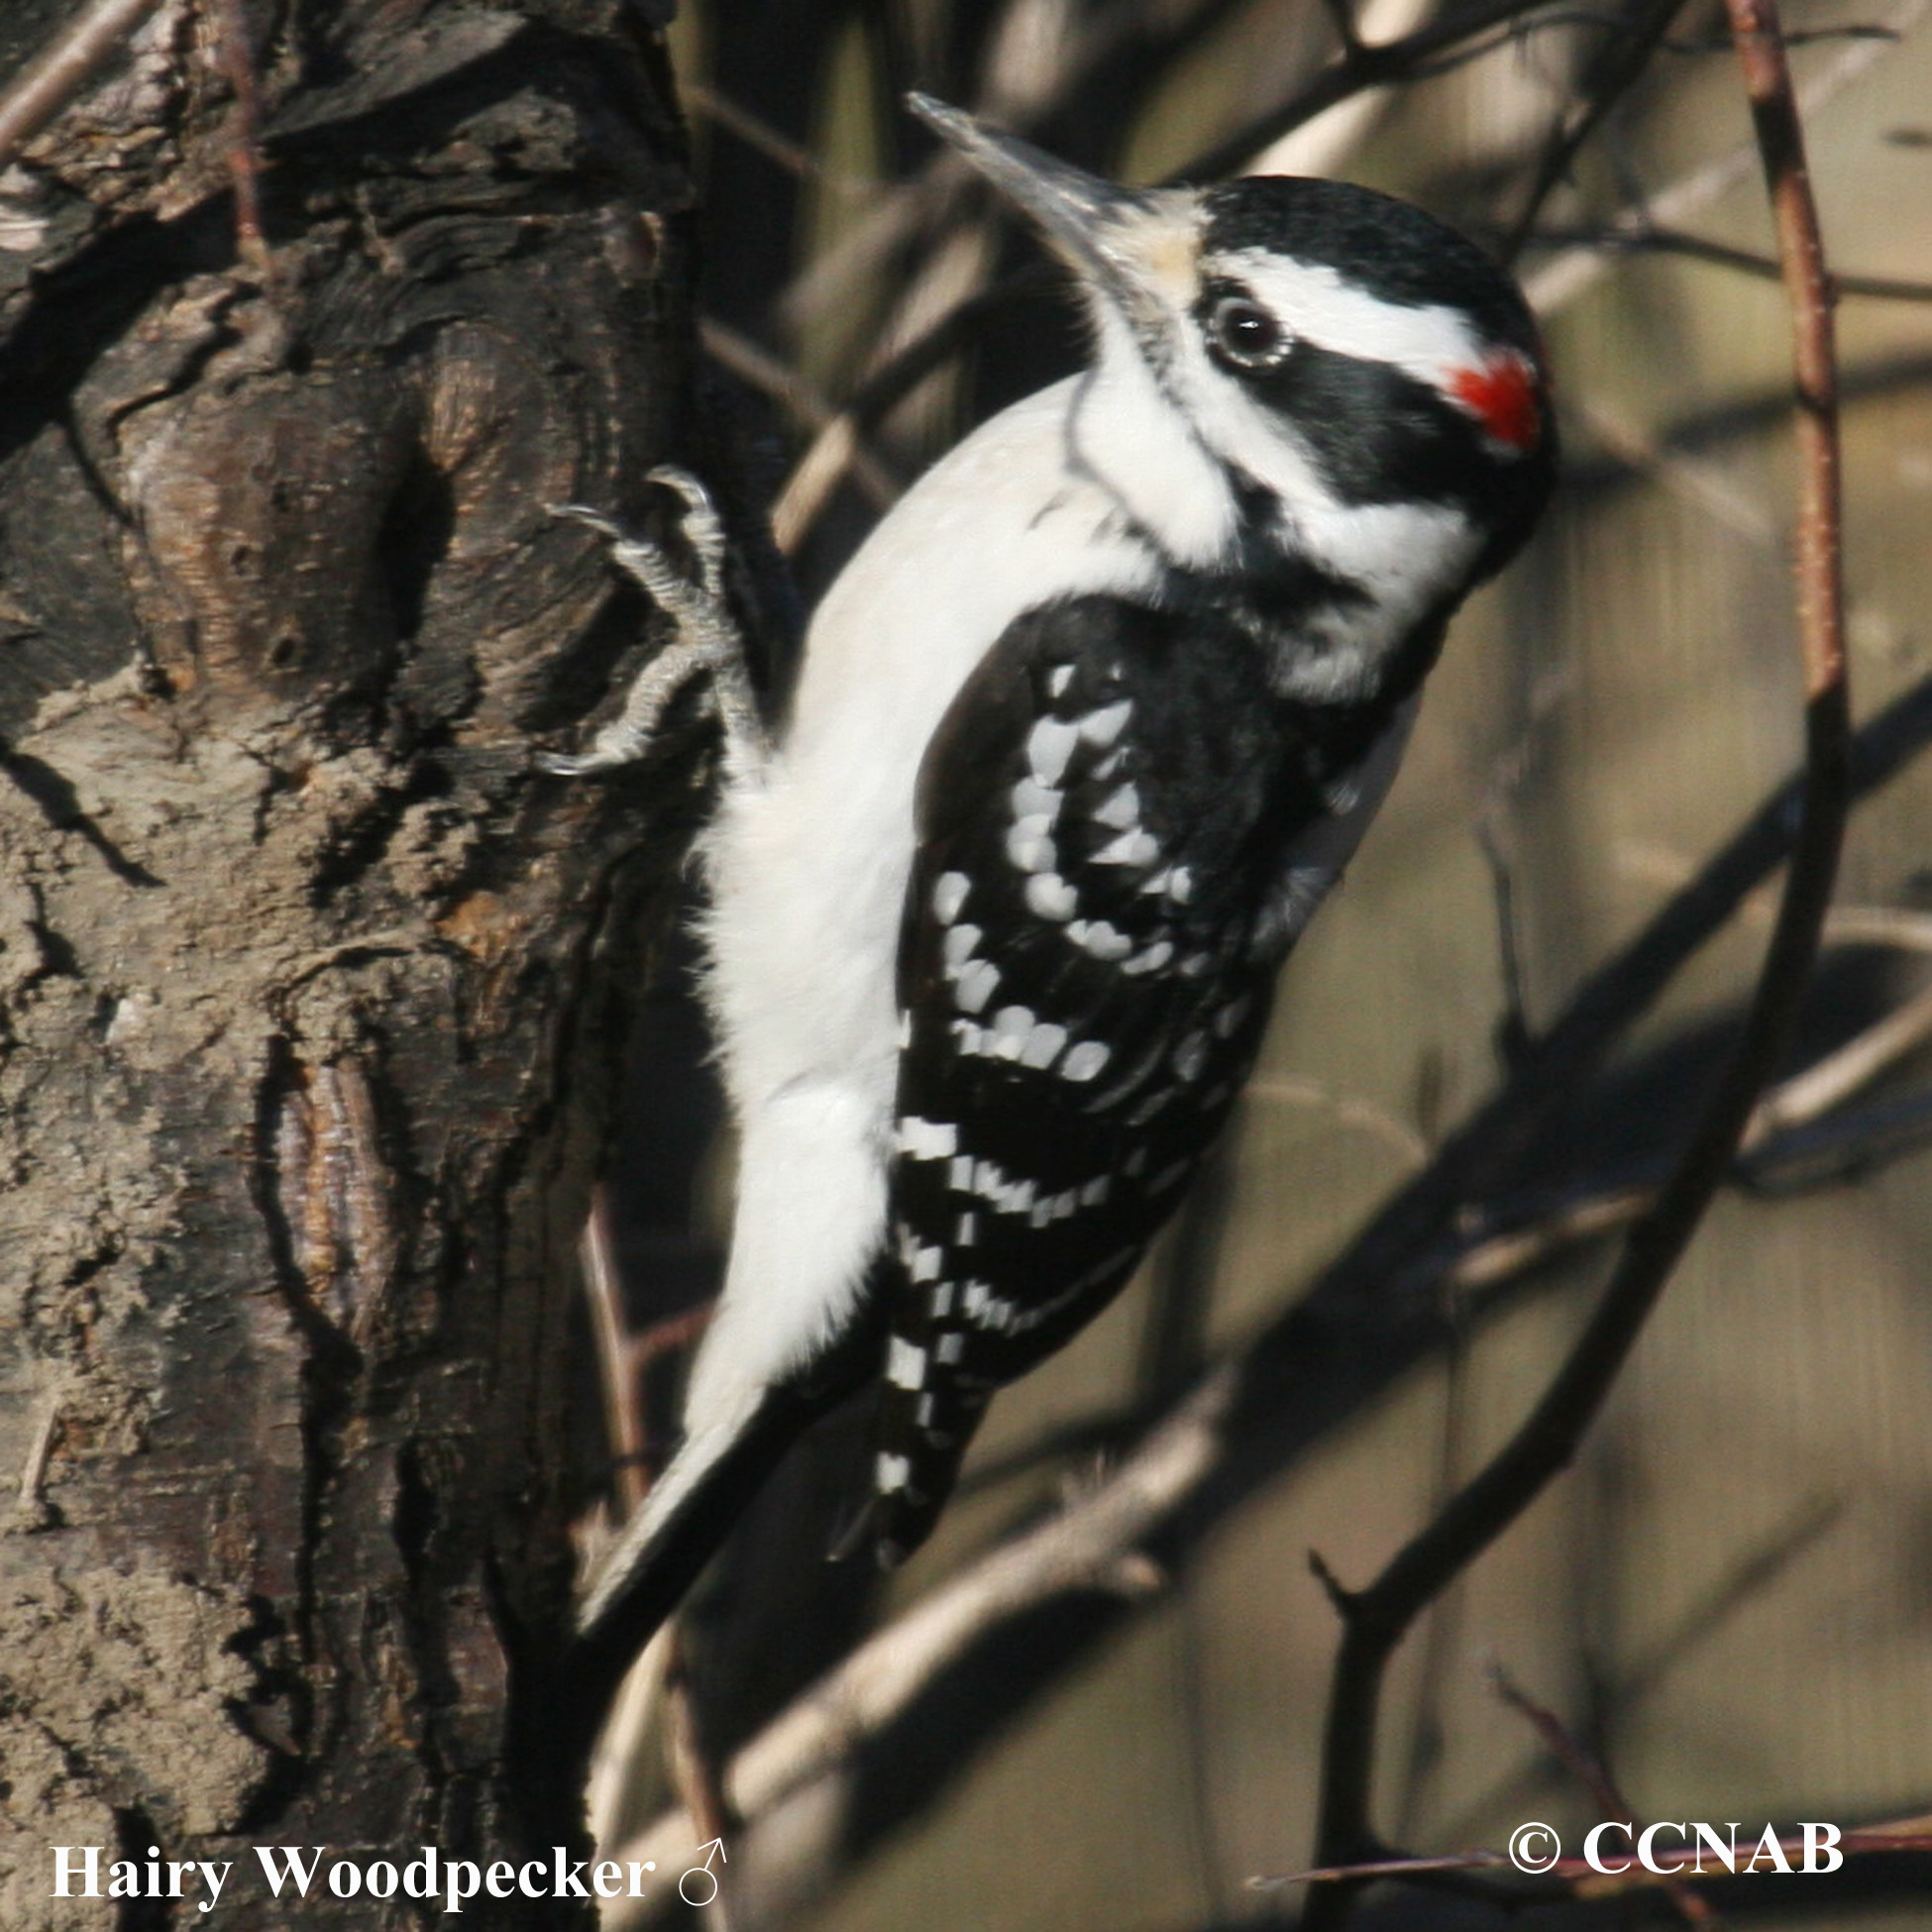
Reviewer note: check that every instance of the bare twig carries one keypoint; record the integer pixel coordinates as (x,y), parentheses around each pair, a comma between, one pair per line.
(244,144)
(63,68)
(693,1775)
(1651,239)
(1589,1770)
(1620,68)
(616,1376)
(1562,279)
(1359,67)
(1375,1619)
(809,407)
(774,146)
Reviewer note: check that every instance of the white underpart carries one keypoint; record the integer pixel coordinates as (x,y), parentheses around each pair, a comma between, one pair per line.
(808,859)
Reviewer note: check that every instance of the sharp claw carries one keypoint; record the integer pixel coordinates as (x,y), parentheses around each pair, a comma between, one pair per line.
(584,513)
(708,643)
(697,496)
(704,527)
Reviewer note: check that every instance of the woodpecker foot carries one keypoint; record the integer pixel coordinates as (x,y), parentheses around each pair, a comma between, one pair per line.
(706,641)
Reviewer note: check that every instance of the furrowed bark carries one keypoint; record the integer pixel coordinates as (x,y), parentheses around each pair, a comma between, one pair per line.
(311,985)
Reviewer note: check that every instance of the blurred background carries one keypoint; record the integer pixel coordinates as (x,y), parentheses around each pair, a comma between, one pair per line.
(1728,1599)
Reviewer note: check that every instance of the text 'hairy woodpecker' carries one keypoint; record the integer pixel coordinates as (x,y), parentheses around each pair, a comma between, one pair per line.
(1084,733)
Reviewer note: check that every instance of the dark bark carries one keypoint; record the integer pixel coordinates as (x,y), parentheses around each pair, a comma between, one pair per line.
(311,988)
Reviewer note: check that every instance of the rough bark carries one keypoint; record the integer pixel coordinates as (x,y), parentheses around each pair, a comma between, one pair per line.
(311,985)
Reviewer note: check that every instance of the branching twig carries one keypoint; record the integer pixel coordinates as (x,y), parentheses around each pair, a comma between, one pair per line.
(1590,1771)
(1561,279)
(1621,65)
(1377,1618)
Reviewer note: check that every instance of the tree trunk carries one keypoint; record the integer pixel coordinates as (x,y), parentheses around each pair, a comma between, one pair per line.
(311,985)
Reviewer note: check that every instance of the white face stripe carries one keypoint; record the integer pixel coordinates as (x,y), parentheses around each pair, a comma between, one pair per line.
(1317,304)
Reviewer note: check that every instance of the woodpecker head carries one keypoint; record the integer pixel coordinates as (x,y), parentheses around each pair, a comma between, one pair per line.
(1350,379)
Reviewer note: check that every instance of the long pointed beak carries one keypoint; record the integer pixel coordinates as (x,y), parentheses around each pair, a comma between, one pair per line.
(1135,246)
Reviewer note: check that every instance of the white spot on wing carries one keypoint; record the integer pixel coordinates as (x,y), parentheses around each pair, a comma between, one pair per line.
(977,979)
(1131,848)
(1048,747)
(1049,895)
(957,946)
(1101,727)
(891,1474)
(1121,809)
(1030,847)
(1012,1026)
(904,1364)
(927,1139)
(948,895)
(1085,1060)
(1103,941)
(1031,800)
(1043,1045)
(1191,1056)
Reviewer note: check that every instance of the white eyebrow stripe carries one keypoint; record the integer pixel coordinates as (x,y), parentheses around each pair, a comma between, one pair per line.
(1320,307)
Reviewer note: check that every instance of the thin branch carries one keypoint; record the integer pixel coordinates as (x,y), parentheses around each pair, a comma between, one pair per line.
(1361,67)
(243,147)
(1698,248)
(1378,1618)
(1616,72)
(1560,280)
(1590,1771)
(766,140)
(809,407)
(31,1511)
(63,68)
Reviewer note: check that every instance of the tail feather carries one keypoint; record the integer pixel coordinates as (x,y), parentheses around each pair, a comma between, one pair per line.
(691,1510)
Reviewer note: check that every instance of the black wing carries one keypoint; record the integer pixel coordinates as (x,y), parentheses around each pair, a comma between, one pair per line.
(1093,926)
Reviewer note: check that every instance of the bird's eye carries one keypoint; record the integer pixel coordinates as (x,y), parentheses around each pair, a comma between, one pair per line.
(1247,333)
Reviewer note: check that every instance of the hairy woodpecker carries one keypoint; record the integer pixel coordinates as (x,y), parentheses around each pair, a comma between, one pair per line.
(1084,733)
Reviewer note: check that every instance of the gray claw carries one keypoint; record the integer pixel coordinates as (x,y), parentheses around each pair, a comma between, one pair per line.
(707,642)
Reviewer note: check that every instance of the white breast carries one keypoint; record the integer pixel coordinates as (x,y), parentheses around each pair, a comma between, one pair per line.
(809,860)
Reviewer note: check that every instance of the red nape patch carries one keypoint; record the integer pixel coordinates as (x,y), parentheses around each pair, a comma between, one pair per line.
(1502,396)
